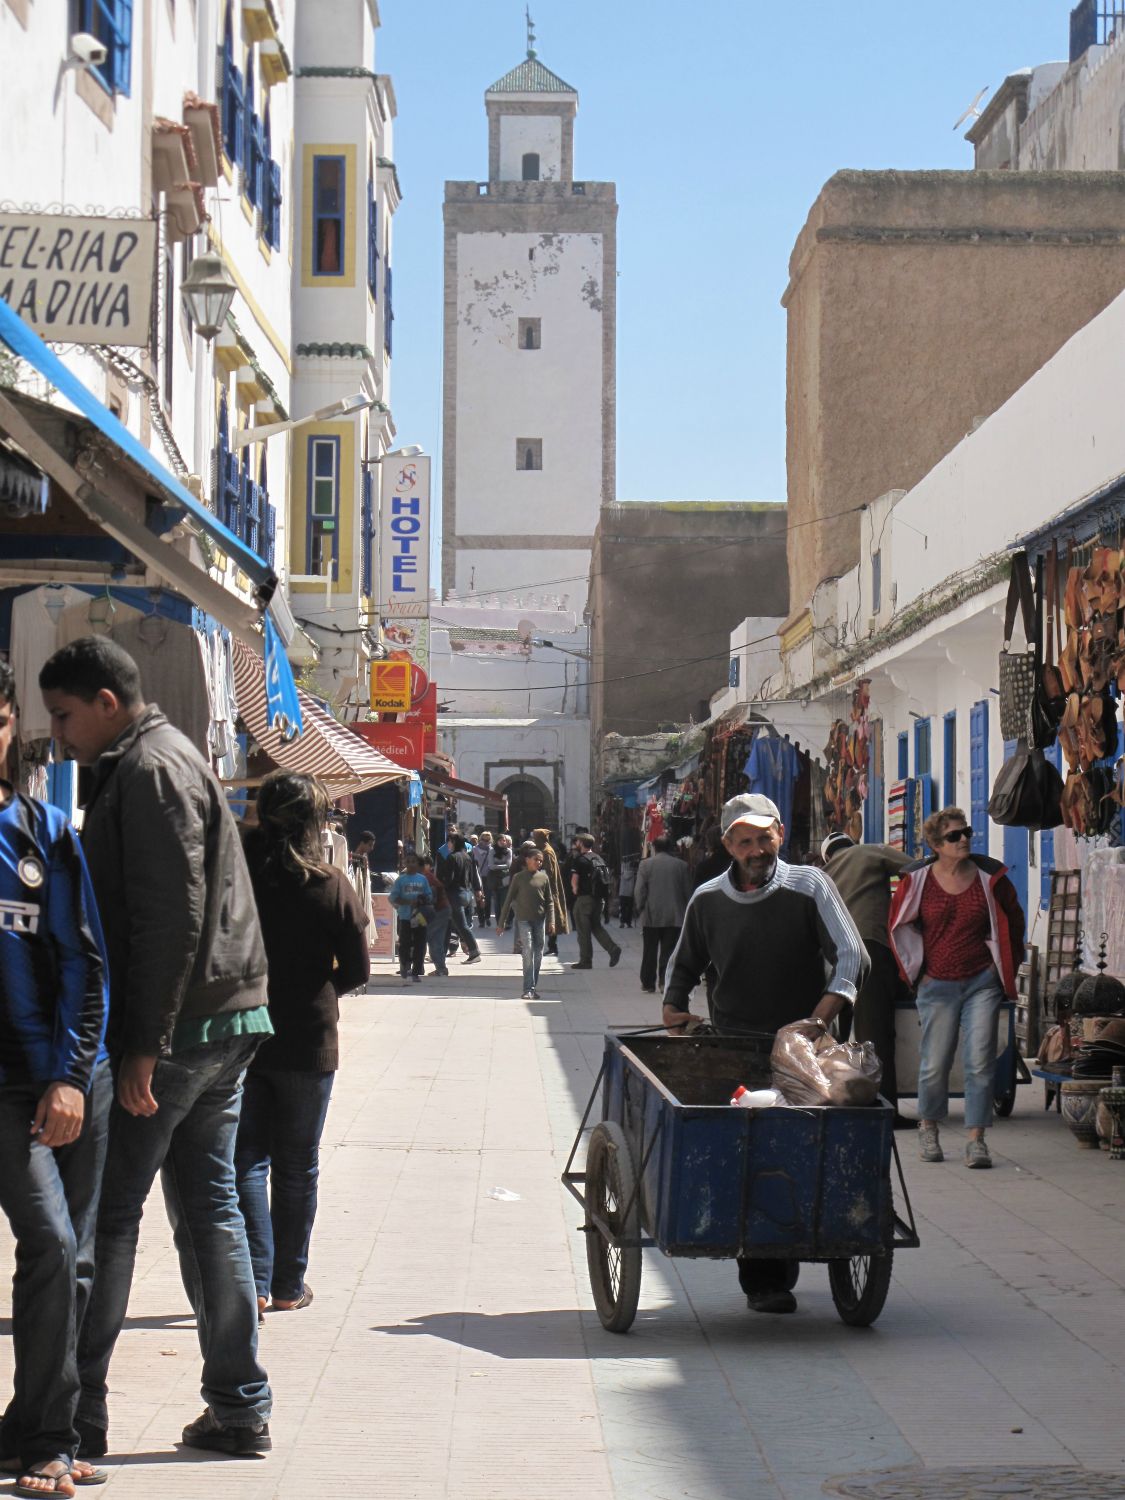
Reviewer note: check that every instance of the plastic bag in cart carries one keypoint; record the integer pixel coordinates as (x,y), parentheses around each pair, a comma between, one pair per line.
(810,1066)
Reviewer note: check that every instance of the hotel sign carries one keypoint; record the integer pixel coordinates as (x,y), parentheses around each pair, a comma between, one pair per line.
(78,280)
(404,531)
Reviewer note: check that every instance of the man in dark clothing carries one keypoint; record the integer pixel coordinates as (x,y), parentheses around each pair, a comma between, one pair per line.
(55,1088)
(458,873)
(862,873)
(662,894)
(716,861)
(591,886)
(773,931)
(187,972)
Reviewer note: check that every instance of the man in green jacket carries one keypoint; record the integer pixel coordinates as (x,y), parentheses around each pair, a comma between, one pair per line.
(187,972)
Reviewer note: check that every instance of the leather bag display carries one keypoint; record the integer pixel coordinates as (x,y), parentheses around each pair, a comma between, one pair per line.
(1028,791)
(1048,702)
(1018,668)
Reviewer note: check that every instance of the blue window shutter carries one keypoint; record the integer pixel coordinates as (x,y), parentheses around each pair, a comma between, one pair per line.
(123,61)
(238,111)
(1047,838)
(903,756)
(367,525)
(372,243)
(388,312)
(273,230)
(269,522)
(978,775)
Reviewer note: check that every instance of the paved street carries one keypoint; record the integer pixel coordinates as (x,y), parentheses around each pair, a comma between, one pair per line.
(452,1351)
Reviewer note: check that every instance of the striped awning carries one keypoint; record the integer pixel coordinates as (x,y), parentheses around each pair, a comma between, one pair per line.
(324,749)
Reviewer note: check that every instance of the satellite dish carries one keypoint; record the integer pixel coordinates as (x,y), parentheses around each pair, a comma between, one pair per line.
(524,629)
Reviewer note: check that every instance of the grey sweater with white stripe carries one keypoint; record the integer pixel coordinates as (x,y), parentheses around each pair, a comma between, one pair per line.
(776,951)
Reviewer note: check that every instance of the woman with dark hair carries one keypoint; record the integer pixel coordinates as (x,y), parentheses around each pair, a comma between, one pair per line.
(313,926)
(957,930)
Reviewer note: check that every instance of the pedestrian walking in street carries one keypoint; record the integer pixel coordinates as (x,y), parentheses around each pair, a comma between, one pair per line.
(457,872)
(663,892)
(529,896)
(591,885)
(483,855)
(541,838)
(437,925)
(626,889)
(496,886)
(55,1090)
(783,949)
(315,934)
(187,974)
(862,873)
(412,898)
(958,932)
(715,861)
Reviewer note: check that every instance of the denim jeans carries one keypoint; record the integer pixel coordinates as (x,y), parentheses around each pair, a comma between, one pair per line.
(437,938)
(190,1142)
(411,949)
(462,905)
(588,920)
(946,1008)
(50,1198)
(531,935)
(283,1113)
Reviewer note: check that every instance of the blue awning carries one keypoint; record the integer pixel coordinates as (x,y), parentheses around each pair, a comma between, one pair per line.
(23,341)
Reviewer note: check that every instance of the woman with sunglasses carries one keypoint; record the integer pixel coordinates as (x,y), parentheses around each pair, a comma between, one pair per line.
(958,932)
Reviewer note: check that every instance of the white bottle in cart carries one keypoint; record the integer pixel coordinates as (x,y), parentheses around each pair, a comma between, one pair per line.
(744,1098)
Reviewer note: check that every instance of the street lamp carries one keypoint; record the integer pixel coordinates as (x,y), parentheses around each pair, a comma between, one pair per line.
(347,406)
(207,292)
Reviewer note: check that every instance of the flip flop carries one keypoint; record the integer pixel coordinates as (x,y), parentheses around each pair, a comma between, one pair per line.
(95,1476)
(35,1471)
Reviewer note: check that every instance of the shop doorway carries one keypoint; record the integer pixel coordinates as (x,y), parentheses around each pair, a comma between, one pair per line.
(530,805)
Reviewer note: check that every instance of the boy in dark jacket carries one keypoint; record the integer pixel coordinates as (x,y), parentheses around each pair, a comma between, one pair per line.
(187,973)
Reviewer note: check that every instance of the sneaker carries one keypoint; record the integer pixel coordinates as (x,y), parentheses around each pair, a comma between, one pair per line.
(581,966)
(615,959)
(649,989)
(771,1302)
(417,979)
(534,995)
(240,1442)
(928,1147)
(977,1154)
(527,994)
(473,958)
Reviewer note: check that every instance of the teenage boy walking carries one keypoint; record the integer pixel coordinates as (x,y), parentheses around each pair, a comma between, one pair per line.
(55,1090)
(187,975)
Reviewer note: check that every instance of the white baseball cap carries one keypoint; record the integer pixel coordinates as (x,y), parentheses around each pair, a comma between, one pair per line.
(750,808)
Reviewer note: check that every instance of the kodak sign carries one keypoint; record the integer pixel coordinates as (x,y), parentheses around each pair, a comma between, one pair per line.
(391,687)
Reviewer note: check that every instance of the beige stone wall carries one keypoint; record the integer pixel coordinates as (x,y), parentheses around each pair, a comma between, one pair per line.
(918,303)
(1080,126)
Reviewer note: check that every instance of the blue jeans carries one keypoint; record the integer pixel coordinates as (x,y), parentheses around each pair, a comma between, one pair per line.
(50,1198)
(948,1008)
(462,905)
(531,936)
(283,1113)
(190,1142)
(437,938)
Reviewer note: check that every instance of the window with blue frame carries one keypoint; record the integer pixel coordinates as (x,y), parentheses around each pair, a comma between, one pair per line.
(232,105)
(323,505)
(923,765)
(372,241)
(243,506)
(271,205)
(111,21)
(329,201)
(388,312)
(1047,837)
(903,756)
(874,821)
(949,768)
(978,775)
(255,173)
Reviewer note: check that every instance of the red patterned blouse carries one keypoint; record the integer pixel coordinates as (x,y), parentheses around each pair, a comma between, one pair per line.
(955,931)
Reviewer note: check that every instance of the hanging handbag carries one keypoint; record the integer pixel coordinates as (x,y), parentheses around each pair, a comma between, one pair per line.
(1017,668)
(1049,701)
(1028,791)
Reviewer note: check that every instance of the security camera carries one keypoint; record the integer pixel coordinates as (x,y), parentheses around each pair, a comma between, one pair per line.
(87,50)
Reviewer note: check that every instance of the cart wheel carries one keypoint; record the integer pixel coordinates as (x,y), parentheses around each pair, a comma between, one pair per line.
(615,1271)
(860,1286)
(1005,1103)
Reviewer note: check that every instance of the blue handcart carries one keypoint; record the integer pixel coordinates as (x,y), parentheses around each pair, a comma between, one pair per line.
(671,1164)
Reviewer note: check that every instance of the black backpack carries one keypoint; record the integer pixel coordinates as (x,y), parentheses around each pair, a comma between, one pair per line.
(600,883)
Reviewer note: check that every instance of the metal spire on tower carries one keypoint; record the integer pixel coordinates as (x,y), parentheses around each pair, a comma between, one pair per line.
(530,32)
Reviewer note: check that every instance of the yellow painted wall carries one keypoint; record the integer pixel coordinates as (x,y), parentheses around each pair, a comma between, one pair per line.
(299,504)
(307,237)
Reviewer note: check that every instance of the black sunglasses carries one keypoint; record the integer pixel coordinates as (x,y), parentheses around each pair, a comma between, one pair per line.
(955,835)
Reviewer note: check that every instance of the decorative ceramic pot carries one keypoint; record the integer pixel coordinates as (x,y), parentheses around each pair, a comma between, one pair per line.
(1080,1107)
(1111,1119)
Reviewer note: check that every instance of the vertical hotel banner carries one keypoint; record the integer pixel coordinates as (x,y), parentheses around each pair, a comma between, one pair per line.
(404,532)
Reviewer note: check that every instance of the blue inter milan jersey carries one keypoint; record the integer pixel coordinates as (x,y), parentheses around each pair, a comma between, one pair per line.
(53,976)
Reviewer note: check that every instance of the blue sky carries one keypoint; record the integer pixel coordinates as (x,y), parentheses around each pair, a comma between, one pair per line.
(719,121)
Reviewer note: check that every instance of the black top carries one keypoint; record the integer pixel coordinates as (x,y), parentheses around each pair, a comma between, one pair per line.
(584,866)
(458,871)
(316,946)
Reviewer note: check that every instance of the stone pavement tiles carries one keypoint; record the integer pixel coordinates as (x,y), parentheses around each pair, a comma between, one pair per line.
(452,1351)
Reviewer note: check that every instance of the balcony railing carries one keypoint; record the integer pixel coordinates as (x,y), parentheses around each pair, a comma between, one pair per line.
(1095,23)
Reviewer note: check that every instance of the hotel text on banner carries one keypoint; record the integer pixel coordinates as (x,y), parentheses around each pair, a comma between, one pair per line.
(404,540)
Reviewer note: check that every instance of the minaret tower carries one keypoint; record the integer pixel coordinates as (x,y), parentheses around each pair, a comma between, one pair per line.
(530,352)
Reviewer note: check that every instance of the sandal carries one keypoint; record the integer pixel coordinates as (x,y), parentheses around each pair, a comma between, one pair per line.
(302,1301)
(83,1473)
(40,1471)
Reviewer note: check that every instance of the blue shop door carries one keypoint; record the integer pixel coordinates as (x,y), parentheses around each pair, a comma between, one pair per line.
(1016,846)
(978,775)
